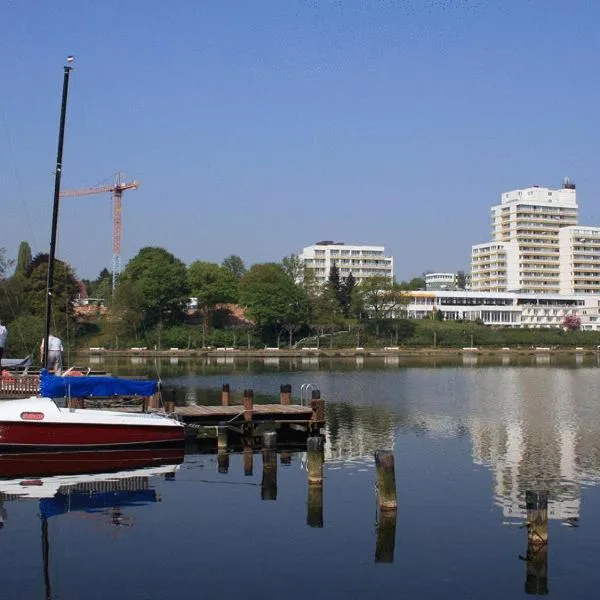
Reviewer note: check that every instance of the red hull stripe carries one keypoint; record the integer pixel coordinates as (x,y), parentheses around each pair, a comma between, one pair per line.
(44,434)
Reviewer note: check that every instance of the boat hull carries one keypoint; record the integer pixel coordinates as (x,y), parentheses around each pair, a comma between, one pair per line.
(85,436)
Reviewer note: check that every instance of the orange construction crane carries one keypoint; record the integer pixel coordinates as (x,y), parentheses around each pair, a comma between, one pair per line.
(116,189)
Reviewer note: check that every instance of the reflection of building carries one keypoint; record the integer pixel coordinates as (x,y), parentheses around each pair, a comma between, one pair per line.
(353,433)
(528,436)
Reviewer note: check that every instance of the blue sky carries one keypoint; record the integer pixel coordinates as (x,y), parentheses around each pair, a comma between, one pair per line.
(259,127)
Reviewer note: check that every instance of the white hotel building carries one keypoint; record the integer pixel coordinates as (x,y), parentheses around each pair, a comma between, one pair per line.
(506,309)
(525,253)
(362,261)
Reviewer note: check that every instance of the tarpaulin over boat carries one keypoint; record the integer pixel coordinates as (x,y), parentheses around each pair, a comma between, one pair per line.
(64,503)
(55,386)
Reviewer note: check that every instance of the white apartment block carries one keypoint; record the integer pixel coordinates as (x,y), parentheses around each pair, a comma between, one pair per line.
(362,261)
(441,281)
(579,260)
(524,254)
(506,309)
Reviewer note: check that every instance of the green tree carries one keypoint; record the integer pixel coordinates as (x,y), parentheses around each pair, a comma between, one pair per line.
(65,291)
(211,285)
(23,259)
(461,280)
(380,298)
(162,281)
(292,265)
(236,265)
(4,262)
(346,294)
(268,292)
(127,313)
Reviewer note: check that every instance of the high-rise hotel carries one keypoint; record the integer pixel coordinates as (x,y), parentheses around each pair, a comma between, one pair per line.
(530,252)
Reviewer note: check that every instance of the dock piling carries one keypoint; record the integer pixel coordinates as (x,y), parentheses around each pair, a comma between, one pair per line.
(248,404)
(225,396)
(285,394)
(386,480)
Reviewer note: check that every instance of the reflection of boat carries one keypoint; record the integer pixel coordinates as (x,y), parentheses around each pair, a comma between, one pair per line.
(93,482)
(38,423)
(40,475)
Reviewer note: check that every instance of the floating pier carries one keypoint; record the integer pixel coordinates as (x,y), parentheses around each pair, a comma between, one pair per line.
(248,424)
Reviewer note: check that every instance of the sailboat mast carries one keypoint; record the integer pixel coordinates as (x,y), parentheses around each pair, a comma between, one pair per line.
(57,175)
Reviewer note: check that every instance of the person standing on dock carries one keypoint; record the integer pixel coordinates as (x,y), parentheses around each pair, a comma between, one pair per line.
(3,336)
(55,352)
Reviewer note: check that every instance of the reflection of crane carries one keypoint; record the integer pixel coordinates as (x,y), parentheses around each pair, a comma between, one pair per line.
(117,190)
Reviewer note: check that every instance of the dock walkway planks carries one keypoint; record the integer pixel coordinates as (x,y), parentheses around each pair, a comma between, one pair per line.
(260,413)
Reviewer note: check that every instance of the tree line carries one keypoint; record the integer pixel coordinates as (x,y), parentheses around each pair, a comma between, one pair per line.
(267,304)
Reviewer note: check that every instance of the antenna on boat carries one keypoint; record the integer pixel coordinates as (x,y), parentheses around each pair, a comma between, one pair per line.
(57,174)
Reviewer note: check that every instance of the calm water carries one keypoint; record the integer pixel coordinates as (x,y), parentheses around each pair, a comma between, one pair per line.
(469,440)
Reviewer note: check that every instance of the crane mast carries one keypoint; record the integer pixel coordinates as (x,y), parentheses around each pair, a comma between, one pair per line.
(116,190)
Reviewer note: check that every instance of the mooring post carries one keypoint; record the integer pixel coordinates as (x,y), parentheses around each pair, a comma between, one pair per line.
(269,475)
(248,404)
(285,394)
(537,517)
(225,395)
(318,409)
(536,577)
(170,407)
(386,536)
(248,461)
(386,480)
(285,457)
(152,402)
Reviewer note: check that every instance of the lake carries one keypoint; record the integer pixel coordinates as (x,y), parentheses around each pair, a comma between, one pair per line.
(470,438)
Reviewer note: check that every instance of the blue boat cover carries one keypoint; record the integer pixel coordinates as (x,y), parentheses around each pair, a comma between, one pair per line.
(92,502)
(55,386)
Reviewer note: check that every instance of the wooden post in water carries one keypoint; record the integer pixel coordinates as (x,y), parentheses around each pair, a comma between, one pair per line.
(269,476)
(285,394)
(248,461)
(285,457)
(536,577)
(537,517)
(315,457)
(386,536)
(386,480)
(318,412)
(169,407)
(248,404)
(225,395)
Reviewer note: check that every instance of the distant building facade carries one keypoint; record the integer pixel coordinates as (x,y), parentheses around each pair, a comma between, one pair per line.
(579,250)
(441,281)
(506,309)
(362,261)
(524,253)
